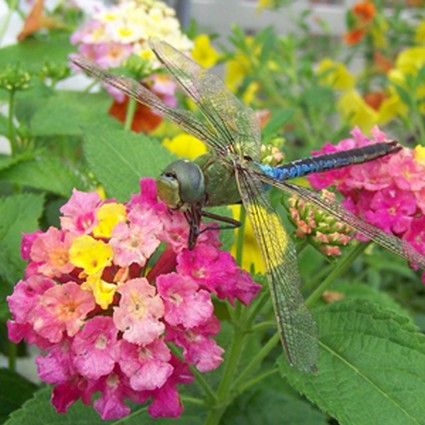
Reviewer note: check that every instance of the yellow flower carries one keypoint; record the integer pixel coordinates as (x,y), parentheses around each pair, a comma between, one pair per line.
(420,154)
(103,292)
(409,61)
(108,216)
(391,107)
(251,256)
(420,33)
(336,75)
(185,145)
(203,52)
(356,112)
(250,92)
(265,4)
(235,72)
(90,254)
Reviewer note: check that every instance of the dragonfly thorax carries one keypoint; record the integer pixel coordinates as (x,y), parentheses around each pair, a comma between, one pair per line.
(181,185)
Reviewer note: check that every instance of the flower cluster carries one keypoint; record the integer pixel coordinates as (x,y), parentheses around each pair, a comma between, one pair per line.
(119,31)
(388,192)
(321,229)
(360,20)
(105,321)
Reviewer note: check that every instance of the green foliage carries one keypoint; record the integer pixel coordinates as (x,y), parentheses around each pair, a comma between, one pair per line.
(372,356)
(119,158)
(14,391)
(38,411)
(19,213)
(368,354)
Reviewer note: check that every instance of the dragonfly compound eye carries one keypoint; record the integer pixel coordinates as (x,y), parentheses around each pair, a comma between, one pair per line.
(181,184)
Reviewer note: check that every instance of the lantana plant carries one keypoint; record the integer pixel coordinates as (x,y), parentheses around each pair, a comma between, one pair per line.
(104,313)
(117,317)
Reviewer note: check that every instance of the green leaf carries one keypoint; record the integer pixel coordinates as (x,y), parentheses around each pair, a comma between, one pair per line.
(360,291)
(269,407)
(370,369)
(19,213)
(39,411)
(404,95)
(14,391)
(67,112)
(120,158)
(50,174)
(9,161)
(278,119)
(32,54)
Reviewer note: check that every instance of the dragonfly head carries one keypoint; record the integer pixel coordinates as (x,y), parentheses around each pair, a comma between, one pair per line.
(181,185)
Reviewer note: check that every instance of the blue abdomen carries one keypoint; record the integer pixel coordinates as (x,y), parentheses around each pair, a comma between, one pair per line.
(330,161)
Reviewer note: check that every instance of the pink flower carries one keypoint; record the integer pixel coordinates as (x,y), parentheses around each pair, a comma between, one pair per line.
(62,308)
(185,304)
(102,318)
(137,240)
(96,348)
(79,213)
(138,315)
(387,192)
(216,271)
(198,348)
(50,251)
(148,367)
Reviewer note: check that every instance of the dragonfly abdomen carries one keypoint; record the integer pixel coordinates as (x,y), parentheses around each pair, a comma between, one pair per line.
(331,161)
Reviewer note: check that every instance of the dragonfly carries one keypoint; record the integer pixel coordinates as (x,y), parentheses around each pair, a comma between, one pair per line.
(232,173)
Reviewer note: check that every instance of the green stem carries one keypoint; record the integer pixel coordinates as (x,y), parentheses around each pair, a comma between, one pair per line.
(12,354)
(131,109)
(257,359)
(3,29)
(257,379)
(10,124)
(339,269)
(224,390)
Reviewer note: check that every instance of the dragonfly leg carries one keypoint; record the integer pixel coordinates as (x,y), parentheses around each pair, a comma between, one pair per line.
(193,217)
(231,223)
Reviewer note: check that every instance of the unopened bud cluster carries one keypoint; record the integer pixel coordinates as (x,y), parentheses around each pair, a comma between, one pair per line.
(322,230)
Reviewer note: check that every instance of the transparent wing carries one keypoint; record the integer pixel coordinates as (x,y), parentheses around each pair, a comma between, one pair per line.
(234,122)
(183,118)
(296,326)
(334,208)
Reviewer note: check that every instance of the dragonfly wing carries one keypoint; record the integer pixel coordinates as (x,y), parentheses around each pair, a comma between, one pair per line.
(236,124)
(334,208)
(296,326)
(183,118)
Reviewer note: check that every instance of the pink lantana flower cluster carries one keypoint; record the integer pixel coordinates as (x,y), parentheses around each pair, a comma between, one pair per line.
(114,33)
(388,192)
(105,314)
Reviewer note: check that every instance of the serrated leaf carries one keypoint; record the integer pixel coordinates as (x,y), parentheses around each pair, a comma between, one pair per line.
(120,158)
(19,213)
(67,112)
(39,411)
(14,391)
(49,174)
(370,369)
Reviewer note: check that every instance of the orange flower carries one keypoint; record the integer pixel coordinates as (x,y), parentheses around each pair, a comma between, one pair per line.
(375,99)
(364,11)
(36,21)
(382,64)
(354,36)
(144,119)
